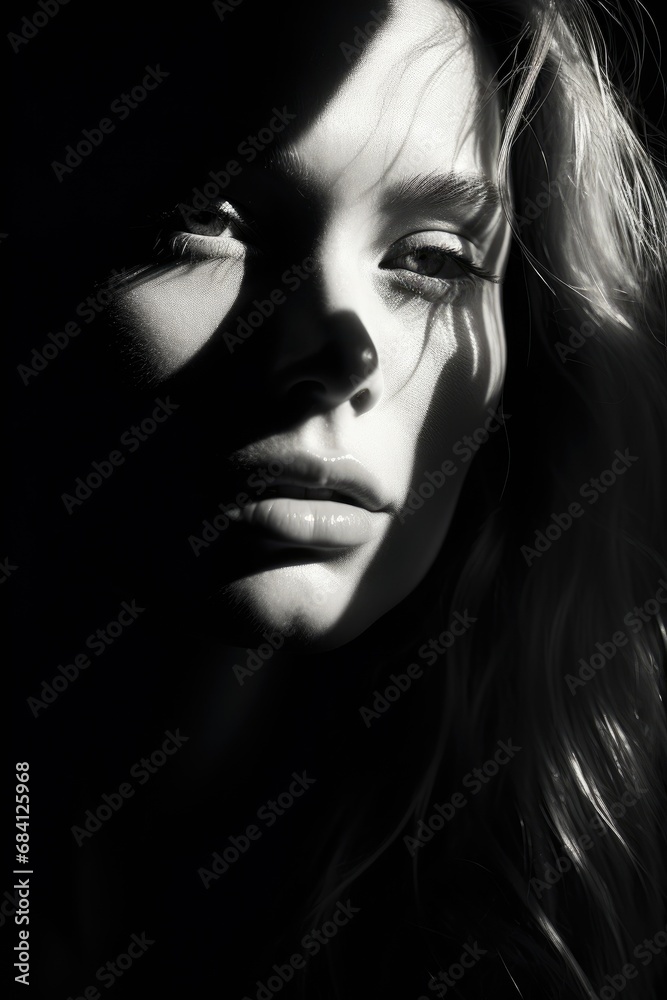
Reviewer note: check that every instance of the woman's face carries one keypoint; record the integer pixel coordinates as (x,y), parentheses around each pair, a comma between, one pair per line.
(343,288)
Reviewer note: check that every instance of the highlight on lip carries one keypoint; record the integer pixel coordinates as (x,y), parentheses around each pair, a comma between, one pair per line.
(328,523)
(308,493)
(329,474)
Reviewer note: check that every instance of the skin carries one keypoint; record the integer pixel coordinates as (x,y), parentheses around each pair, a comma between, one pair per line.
(384,368)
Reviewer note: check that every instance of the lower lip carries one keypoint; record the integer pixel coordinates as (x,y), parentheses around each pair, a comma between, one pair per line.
(322,523)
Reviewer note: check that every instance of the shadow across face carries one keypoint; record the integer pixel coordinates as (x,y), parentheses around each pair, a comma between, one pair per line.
(299,279)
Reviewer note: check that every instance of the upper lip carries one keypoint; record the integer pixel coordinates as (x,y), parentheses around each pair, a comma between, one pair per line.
(334,470)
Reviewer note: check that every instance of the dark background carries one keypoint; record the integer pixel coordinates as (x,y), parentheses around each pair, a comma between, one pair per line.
(62,239)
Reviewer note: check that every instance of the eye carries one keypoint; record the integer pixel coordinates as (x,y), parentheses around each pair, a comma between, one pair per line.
(215,221)
(436,266)
(433,262)
(215,231)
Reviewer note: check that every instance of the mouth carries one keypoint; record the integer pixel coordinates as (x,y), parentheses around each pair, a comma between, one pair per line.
(294,491)
(309,522)
(317,500)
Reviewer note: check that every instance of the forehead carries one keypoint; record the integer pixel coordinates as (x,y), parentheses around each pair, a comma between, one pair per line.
(418,100)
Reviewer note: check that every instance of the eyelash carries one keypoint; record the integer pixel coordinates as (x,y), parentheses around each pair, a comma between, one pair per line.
(181,244)
(431,287)
(196,246)
(466,263)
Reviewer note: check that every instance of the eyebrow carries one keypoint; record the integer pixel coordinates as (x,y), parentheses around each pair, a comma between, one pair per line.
(457,194)
(287,161)
(450,192)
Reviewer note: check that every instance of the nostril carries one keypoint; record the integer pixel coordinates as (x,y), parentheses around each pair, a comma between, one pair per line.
(361,400)
(340,366)
(309,398)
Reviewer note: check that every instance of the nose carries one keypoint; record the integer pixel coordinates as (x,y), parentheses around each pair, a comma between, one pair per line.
(326,357)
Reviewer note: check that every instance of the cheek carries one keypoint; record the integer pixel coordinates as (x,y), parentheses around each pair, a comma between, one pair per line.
(443,366)
(443,371)
(482,357)
(170,317)
(444,414)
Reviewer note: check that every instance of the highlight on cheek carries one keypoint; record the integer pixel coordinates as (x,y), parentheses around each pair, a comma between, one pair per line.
(494,345)
(470,338)
(420,342)
(427,290)
(171,316)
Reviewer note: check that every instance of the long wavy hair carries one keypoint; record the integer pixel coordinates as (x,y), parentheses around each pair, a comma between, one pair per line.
(553,868)
(557,863)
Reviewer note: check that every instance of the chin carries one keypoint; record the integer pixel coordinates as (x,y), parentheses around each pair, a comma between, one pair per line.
(306,608)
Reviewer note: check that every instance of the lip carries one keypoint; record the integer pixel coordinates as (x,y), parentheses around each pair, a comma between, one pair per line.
(323,524)
(338,471)
(324,500)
